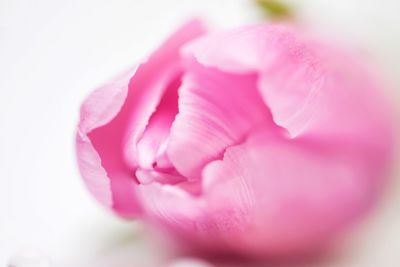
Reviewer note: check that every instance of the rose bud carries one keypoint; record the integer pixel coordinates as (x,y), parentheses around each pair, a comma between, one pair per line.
(259,141)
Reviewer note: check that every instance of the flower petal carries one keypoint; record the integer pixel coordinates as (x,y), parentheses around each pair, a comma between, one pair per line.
(98,109)
(149,147)
(289,72)
(270,195)
(150,83)
(216,110)
(298,193)
(114,116)
(310,87)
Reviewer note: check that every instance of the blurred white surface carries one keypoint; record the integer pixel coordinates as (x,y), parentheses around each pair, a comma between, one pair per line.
(53,53)
(29,258)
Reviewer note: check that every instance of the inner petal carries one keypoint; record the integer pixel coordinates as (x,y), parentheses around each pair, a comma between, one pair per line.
(216,110)
(151,146)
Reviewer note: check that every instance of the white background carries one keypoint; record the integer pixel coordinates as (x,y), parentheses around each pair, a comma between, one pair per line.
(53,53)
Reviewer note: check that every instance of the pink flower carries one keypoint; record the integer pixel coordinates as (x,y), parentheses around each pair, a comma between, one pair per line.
(259,140)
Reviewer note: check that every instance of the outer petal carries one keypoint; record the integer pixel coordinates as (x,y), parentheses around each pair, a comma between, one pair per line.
(298,193)
(270,196)
(118,111)
(310,87)
(98,109)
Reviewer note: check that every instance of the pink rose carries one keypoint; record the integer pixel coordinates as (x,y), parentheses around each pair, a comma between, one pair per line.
(259,140)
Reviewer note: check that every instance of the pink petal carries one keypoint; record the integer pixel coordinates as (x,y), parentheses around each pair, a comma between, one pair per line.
(150,144)
(162,69)
(269,196)
(113,118)
(297,193)
(98,109)
(216,110)
(310,87)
